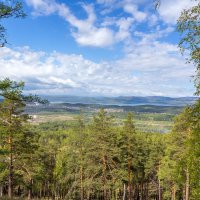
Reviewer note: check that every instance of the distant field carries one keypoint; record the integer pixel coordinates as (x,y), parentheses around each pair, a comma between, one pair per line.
(146,125)
(49,117)
(147,118)
(149,122)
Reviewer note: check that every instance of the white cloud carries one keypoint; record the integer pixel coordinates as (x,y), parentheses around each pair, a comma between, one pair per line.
(87,33)
(101,37)
(124,25)
(143,71)
(133,10)
(170,10)
(42,7)
(145,38)
(84,31)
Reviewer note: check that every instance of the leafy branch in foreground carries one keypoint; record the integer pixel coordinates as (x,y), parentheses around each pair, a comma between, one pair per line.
(12,90)
(188,25)
(8,9)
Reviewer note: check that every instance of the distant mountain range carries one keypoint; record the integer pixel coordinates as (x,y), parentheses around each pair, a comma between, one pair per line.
(124,100)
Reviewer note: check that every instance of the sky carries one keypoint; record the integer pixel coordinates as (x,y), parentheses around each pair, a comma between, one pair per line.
(98,48)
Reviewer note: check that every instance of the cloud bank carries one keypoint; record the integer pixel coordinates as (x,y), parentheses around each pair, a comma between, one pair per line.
(143,71)
(149,66)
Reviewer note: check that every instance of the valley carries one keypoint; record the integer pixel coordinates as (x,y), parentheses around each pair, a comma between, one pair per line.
(148,118)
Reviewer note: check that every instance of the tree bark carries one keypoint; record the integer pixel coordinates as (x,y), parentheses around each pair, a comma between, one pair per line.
(129,179)
(104,178)
(174,193)
(187,185)
(124,194)
(159,190)
(116,194)
(159,185)
(10,142)
(81,175)
(1,190)
(30,189)
(10,178)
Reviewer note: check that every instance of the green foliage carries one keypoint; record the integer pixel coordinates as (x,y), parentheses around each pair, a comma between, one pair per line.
(97,158)
(189,26)
(193,144)
(9,8)
(18,143)
(128,149)
(179,166)
(101,156)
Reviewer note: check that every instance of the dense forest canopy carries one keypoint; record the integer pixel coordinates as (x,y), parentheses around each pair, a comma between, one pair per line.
(95,159)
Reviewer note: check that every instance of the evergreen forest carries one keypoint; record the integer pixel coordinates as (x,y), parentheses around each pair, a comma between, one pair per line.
(97,159)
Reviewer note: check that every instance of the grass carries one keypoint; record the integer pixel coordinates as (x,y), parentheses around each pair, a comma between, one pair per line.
(51,117)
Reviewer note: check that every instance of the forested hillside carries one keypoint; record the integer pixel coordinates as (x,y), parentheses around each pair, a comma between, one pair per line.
(95,159)
(123,100)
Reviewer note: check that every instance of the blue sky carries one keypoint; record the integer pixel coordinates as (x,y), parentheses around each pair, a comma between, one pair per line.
(98,47)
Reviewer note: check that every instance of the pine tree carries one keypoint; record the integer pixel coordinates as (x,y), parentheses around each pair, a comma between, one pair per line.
(102,153)
(71,161)
(128,151)
(178,164)
(13,120)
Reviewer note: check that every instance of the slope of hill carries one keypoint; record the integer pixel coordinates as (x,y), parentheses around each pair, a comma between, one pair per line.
(124,100)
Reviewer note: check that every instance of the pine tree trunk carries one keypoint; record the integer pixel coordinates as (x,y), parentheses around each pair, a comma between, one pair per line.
(129,179)
(159,190)
(147,190)
(81,176)
(187,185)
(48,190)
(10,178)
(45,189)
(104,178)
(174,193)
(116,194)
(30,190)
(1,190)
(124,194)
(10,142)
(55,192)
(40,195)
(159,185)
